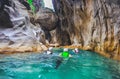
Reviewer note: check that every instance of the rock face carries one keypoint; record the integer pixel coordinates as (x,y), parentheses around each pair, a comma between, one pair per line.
(18,34)
(92,24)
(47,19)
(5,21)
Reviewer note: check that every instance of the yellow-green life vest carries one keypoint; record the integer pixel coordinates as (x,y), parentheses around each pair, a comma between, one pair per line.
(65,54)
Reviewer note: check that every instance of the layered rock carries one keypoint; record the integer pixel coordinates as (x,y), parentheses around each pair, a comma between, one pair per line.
(91,24)
(18,34)
(48,20)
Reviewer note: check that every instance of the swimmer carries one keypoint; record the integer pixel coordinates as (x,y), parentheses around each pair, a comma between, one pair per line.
(49,51)
(65,53)
(76,50)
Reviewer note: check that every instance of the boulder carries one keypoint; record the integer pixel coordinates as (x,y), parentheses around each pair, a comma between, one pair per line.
(47,19)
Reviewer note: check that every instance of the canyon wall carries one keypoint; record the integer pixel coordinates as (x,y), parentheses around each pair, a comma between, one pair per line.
(91,24)
(17,33)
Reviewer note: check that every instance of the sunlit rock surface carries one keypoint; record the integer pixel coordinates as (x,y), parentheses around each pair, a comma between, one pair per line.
(91,24)
(17,34)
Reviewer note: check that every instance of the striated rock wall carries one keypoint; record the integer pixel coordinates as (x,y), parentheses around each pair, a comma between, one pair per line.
(17,34)
(91,24)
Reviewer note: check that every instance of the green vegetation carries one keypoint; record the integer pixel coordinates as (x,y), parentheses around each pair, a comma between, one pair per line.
(31,5)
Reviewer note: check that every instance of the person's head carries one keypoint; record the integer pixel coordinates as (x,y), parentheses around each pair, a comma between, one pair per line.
(76,50)
(65,49)
(49,51)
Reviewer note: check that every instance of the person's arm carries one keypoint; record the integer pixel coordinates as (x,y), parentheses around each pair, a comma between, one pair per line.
(60,54)
(70,55)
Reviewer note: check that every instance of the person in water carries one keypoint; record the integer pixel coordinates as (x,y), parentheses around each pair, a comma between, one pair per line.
(65,53)
(49,51)
(76,50)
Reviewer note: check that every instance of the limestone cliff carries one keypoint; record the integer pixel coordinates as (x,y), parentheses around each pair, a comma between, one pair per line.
(91,24)
(17,34)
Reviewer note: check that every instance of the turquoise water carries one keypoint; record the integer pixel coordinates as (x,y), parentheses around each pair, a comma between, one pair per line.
(85,65)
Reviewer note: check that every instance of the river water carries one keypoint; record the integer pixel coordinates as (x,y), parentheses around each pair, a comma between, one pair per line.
(85,65)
